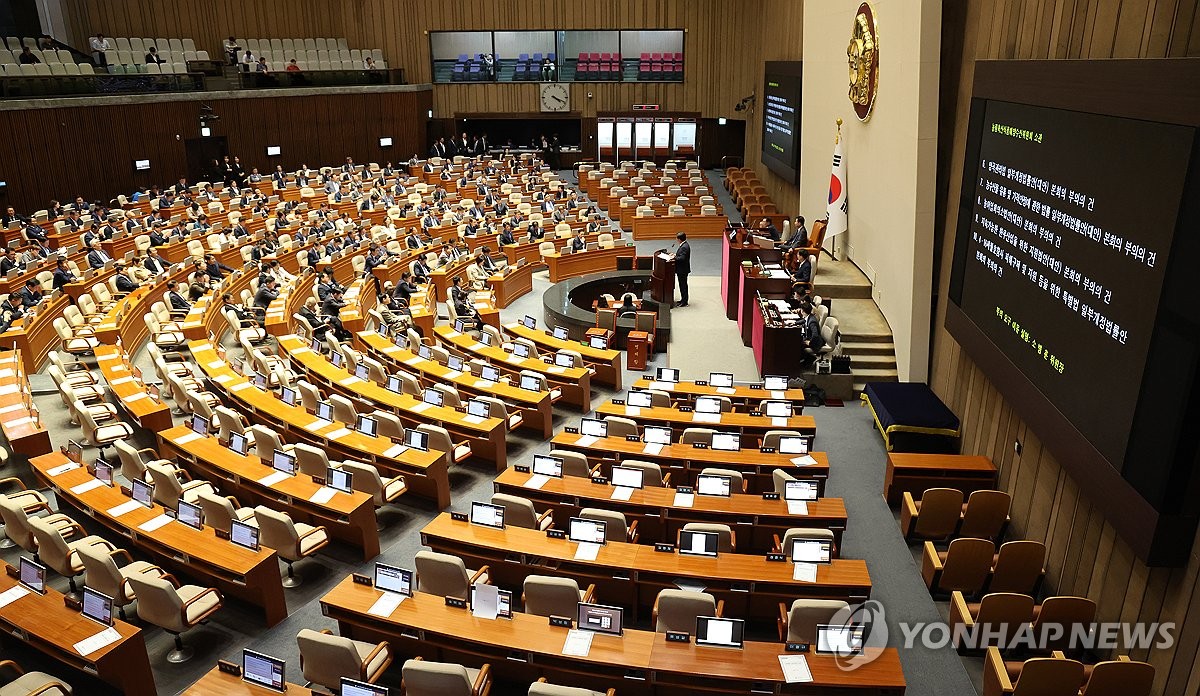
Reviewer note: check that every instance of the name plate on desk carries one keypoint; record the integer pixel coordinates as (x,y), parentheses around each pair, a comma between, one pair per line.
(756,386)
(766,450)
(777,558)
(685,409)
(618,402)
(556,534)
(664,548)
(560,621)
(678,637)
(229,668)
(600,480)
(522,469)
(796,647)
(770,495)
(700,445)
(570,429)
(633,438)
(458,516)
(362,580)
(701,383)
(456,602)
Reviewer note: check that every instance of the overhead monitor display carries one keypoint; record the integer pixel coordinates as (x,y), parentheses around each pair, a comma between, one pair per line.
(685,135)
(643,134)
(781,118)
(662,135)
(624,135)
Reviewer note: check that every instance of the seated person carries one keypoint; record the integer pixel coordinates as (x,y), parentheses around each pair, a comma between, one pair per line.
(463,306)
(813,341)
(803,271)
(309,312)
(627,309)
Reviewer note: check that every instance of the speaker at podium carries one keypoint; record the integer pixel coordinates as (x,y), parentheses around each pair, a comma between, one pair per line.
(662,278)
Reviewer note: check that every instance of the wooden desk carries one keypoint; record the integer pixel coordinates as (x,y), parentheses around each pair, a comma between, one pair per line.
(739,394)
(732,256)
(585,262)
(752,428)
(631,575)
(348,517)
(43,622)
(425,473)
(536,410)
(685,462)
(35,339)
(252,576)
(751,283)
(606,361)
(531,251)
(508,285)
(125,319)
(19,418)
(914,473)
(659,519)
(486,437)
(575,382)
(217,683)
(150,413)
(775,346)
(698,226)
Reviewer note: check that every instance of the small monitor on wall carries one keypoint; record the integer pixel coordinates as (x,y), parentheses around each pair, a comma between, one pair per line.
(141,165)
(385,142)
(273,150)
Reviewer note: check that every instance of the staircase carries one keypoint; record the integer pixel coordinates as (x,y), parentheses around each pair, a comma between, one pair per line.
(866,336)
(872,358)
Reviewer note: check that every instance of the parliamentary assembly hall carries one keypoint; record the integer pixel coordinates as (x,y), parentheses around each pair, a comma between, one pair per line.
(599,347)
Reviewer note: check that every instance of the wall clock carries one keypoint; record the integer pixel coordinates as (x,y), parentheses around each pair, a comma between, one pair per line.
(555,97)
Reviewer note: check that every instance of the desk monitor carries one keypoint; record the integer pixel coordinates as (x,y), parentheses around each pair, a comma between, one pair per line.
(394,384)
(708,404)
(425,352)
(238,366)
(353,687)
(325,411)
(777,409)
(97,606)
(598,342)
(339,480)
(282,461)
(260,380)
(666,374)
(811,551)
(32,575)
(361,371)
(531,383)
(490,373)
(400,340)
(460,326)
(593,427)
(367,426)
(238,443)
(244,535)
(600,618)
(800,489)
(198,424)
(587,531)
(520,350)
(336,358)
(393,579)
(724,633)
(315,345)
(487,515)
(726,442)
(74,451)
(627,477)
(479,409)
(433,397)
(560,332)
(698,543)
(416,439)
(529,322)
(639,398)
(712,484)
(104,474)
(190,514)
(263,670)
(288,396)
(485,338)
(546,465)
(720,379)
(564,360)
(775,382)
(840,640)
(793,444)
(657,435)
(503,603)
(142,492)
(454,363)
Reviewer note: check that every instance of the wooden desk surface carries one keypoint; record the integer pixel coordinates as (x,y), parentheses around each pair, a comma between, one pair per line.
(748,424)
(135,398)
(956,462)
(737,393)
(585,262)
(217,683)
(544,338)
(746,458)
(507,285)
(36,338)
(665,227)
(425,473)
(19,419)
(252,575)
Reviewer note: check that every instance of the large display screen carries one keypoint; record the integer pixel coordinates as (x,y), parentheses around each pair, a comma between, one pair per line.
(781,118)
(1071,223)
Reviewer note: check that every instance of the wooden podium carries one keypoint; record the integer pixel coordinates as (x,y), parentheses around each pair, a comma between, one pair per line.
(662,278)
(637,350)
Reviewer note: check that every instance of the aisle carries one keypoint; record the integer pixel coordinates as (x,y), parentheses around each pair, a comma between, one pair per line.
(703,340)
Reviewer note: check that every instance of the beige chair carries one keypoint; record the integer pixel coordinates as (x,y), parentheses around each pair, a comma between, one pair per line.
(293,541)
(779,479)
(615,528)
(439,439)
(15,681)
(104,575)
(574,463)
(808,533)
(100,435)
(266,441)
(935,516)
(134,462)
(519,512)
(619,426)
(771,437)
(798,623)
(737,484)
(652,475)
(169,490)
(546,595)
(675,611)
(542,688)
(424,678)
(693,435)
(221,510)
(311,461)
(498,409)
(326,658)
(1040,676)
(726,538)
(964,566)
(446,575)
(366,479)
(174,608)
(15,512)
(60,555)
(997,617)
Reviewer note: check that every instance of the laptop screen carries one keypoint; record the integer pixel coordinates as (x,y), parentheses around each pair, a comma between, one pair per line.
(560,332)
(598,342)
(726,442)
(104,474)
(454,363)
(393,579)
(191,515)
(433,397)
(720,379)
(263,670)
(367,426)
(33,575)
(282,461)
(325,410)
(520,350)
(666,374)
(725,633)
(564,360)
(425,352)
(199,424)
(531,383)
(800,489)
(710,484)
(339,480)
(775,383)
(698,543)
(336,358)
(244,535)
(288,396)
(353,687)
(490,373)
(97,606)
(600,618)
(793,444)
(840,640)
(657,434)
(361,371)
(546,465)
(485,338)
(142,492)
(260,380)
(777,409)
(529,322)
(487,515)
(460,326)
(394,385)
(641,399)
(479,409)
(593,427)
(587,531)
(708,404)
(811,551)
(238,443)
(627,477)
(416,439)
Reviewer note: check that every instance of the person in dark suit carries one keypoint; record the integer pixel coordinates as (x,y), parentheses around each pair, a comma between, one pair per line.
(767,229)
(309,312)
(683,266)
(578,243)
(158,237)
(125,282)
(803,273)
(34,231)
(486,263)
(506,236)
(314,255)
(199,286)
(405,288)
(214,268)
(176,299)
(97,257)
(420,271)
(463,307)
(799,236)
(813,341)
(242,314)
(31,294)
(535,231)
(9,261)
(10,311)
(332,308)
(267,292)
(154,263)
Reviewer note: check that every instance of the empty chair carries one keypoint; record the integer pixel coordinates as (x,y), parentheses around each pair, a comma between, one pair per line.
(771,437)
(546,595)
(1119,677)
(15,681)
(100,435)
(726,538)
(439,439)
(15,511)
(1068,613)
(221,510)
(169,490)
(964,566)
(693,435)
(784,545)
(616,529)
(998,617)
(935,516)
(574,463)
(652,474)
(424,678)
(1018,567)
(542,688)
(985,515)
(175,608)
(446,575)
(737,484)
(25,502)
(519,512)
(619,426)
(103,574)
(61,555)
(266,442)
(293,541)
(311,461)
(326,658)
(1039,676)
(366,479)
(798,623)
(675,611)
